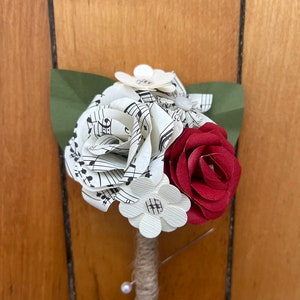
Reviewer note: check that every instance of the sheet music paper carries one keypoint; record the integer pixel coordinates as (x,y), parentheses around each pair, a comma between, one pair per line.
(116,141)
(123,135)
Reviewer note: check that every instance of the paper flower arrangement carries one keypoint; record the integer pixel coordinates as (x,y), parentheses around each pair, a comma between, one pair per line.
(145,143)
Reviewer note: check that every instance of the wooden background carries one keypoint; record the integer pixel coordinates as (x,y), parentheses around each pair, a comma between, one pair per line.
(202,41)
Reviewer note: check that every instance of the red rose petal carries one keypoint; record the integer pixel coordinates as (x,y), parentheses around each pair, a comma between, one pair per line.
(223,160)
(221,133)
(173,176)
(214,210)
(211,215)
(227,145)
(168,153)
(210,189)
(198,139)
(212,206)
(167,160)
(195,215)
(229,165)
(235,176)
(182,174)
(212,127)
(179,143)
(207,192)
(194,159)
(210,177)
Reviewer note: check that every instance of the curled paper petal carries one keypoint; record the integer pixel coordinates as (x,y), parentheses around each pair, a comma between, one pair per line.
(100,200)
(202,165)
(201,102)
(132,132)
(118,140)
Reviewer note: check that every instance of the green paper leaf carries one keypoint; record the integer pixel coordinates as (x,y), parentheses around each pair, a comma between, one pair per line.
(227,107)
(71,93)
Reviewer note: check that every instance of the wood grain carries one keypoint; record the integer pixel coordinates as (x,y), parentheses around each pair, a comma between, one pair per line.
(199,40)
(267,231)
(32,252)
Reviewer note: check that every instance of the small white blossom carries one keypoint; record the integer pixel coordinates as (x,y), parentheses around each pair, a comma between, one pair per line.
(146,78)
(159,208)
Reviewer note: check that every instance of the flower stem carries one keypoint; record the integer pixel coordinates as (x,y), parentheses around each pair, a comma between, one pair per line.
(145,268)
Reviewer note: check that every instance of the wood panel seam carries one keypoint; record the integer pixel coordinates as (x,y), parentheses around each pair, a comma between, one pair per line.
(241,40)
(64,191)
(232,211)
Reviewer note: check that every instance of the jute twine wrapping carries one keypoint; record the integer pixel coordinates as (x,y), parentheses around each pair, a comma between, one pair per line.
(145,268)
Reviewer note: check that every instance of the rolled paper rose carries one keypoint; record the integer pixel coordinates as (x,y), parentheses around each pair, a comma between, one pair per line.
(202,164)
(117,139)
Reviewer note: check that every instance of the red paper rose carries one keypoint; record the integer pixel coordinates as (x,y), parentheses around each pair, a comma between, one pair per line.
(201,163)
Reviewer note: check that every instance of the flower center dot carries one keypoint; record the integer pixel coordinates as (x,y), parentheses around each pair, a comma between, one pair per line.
(154,206)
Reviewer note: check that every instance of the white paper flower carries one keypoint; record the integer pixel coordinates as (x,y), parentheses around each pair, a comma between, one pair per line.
(159,208)
(116,140)
(188,109)
(146,78)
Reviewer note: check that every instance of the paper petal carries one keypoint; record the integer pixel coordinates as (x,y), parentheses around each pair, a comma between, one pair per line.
(142,186)
(182,174)
(210,177)
(174,216)
(195,215)
(131,210)
(150,227)
(194,160)
(135,222)
(166,227)
(202,102)
(185,203)
(162,77)
(199,139)
(170,193)
(168,88)
(211,208)
(207,192)
(100,200)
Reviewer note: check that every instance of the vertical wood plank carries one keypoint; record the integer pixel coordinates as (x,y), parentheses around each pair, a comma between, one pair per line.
(32,252)
(197,39)
(267,231)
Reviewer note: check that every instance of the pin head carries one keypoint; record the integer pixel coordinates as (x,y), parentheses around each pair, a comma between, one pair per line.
(126,287)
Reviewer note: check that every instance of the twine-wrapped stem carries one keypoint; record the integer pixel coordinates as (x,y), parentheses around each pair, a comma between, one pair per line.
(145,268)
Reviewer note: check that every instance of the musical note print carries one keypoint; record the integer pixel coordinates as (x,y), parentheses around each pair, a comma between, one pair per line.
(117,141)
(145,96)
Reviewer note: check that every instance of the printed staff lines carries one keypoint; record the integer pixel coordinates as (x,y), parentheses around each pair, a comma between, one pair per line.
(141,112)
(165,136)
(202,102)
(146,96)
(126,197)
(100,196)
(112,177)
(99,162)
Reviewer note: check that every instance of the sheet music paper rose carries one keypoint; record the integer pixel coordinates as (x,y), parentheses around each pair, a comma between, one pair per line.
(132,145)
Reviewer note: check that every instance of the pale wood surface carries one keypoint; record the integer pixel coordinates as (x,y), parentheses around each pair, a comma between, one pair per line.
(267,230)
(32,251)
(197,39)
